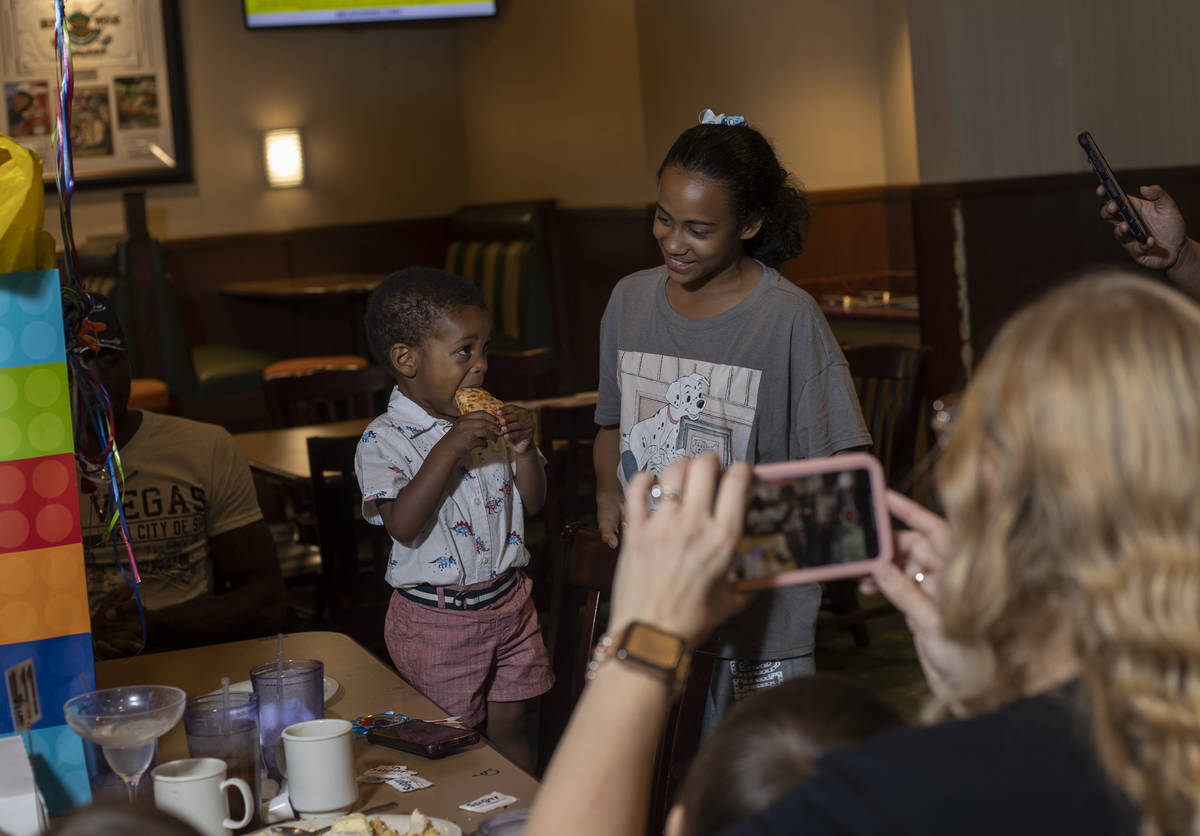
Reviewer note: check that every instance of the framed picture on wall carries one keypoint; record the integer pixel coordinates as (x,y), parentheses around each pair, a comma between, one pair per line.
(129,122)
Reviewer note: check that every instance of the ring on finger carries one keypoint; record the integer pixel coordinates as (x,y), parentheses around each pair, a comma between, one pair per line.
(664,494)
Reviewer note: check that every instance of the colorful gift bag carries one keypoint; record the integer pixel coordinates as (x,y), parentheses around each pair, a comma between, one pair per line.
(45,640)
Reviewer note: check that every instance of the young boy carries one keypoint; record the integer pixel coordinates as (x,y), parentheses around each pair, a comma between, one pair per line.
(451,490)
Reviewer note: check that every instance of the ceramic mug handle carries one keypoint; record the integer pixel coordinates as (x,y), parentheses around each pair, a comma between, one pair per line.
(247,799)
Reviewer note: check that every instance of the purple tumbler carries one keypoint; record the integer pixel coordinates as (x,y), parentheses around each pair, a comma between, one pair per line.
(288,692)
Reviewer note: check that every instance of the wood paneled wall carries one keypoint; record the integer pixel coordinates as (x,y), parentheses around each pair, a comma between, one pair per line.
(1016,238)
(859,238)
(202,266)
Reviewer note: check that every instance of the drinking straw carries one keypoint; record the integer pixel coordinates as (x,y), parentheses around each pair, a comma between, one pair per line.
(279,664)
(225,706)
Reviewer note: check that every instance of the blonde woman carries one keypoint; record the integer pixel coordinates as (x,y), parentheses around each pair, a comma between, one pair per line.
(1056,608)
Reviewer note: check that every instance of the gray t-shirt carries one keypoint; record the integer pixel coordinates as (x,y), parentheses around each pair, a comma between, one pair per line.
(763,382)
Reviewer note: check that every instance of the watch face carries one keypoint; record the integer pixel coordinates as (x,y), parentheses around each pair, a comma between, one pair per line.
(652,647)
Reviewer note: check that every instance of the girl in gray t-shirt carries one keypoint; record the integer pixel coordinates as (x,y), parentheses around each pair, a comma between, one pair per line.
(715,351)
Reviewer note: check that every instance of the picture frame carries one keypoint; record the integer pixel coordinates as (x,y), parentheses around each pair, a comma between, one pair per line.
(129,120)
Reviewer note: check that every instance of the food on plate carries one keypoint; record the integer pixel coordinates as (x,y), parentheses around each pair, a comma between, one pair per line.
(419,825)
(357,823)
(353,823)
(474,399)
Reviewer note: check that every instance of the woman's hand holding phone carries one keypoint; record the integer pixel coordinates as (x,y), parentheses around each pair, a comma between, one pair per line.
(671,573)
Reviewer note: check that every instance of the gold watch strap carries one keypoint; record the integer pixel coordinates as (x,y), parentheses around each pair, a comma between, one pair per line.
(607,648)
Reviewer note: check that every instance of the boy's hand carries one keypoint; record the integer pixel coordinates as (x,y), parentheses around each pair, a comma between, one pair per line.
(472,431)
(516,425)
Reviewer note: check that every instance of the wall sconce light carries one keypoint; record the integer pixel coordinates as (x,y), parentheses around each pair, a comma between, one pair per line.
(284,155)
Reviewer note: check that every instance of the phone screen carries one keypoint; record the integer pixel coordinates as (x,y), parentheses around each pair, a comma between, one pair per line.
(814,519)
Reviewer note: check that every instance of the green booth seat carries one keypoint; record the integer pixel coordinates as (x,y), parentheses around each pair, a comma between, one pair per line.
(203,373)
(228,370)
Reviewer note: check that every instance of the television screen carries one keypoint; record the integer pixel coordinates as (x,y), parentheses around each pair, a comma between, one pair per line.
(265,14)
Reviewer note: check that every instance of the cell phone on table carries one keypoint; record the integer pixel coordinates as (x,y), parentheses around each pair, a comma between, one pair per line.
(1109,181)
(421,738)
(813,520)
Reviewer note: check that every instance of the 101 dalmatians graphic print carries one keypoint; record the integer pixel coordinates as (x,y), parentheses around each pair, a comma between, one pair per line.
(673,407)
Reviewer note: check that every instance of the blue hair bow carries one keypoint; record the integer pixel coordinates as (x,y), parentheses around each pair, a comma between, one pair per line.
(710,118)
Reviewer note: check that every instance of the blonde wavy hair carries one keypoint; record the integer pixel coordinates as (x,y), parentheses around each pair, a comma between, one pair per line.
(1072,486)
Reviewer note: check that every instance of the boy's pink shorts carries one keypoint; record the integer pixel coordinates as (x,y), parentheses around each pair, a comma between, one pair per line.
(464,659)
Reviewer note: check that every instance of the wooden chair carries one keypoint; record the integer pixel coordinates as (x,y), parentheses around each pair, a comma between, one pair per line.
(890,381)
(565,434)
(587,587)
(352,594)
(327,395)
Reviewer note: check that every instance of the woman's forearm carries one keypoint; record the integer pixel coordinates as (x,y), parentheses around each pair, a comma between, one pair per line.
(599,779)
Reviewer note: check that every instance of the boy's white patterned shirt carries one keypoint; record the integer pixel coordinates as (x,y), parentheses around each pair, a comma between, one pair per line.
(478,529)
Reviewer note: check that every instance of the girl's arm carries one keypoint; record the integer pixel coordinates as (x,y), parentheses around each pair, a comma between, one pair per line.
(670,576)
(605,457)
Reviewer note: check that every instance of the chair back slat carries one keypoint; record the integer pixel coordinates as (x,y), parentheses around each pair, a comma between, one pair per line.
(354,553)
(327,395)
(890,381)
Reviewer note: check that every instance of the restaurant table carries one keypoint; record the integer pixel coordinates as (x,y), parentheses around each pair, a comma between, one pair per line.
(311,314)
(303,287)
(366,686)
(283,453)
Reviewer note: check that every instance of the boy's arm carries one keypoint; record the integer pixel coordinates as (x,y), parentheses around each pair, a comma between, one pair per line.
(531,479)
(609,497)
(517,425)
(406,515)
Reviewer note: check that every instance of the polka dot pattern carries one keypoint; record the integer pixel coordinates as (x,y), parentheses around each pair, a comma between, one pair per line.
(39,506)
(33,604)
(35,411)
(43,593)
(31,330)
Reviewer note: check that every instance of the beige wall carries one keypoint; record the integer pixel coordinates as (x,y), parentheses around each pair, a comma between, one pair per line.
(807,72)
(380,108)
(896,92)
(1002,87)
(552,105)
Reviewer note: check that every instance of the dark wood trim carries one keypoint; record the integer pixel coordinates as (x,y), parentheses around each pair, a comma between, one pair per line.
(139,253)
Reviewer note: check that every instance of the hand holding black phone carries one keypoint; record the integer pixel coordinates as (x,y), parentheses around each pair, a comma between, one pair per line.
(1115,192)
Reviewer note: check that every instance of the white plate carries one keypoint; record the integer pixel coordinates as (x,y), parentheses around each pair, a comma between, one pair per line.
(331,687)
(396,821)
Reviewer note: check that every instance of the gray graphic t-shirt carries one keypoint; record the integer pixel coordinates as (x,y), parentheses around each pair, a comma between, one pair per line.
(763,382)
(185,482)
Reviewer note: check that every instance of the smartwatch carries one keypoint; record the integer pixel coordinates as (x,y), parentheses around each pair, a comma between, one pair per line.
(653,651)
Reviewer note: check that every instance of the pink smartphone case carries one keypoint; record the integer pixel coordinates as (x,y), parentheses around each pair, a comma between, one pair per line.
(832,464)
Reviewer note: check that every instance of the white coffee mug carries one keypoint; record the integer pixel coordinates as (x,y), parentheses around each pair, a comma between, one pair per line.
(318,761)
(194,790)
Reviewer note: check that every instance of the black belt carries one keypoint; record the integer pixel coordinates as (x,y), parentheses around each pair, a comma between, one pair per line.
(460,599)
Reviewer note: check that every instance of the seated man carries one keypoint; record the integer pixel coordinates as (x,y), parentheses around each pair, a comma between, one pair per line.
(207,560)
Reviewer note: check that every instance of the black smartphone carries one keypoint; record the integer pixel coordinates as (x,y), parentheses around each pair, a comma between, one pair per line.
(421,738)
(1109,181)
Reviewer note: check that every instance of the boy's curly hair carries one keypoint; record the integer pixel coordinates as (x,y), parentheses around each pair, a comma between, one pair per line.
(405,306)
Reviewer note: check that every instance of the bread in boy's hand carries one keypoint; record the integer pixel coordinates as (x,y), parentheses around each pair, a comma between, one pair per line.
(474,399)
